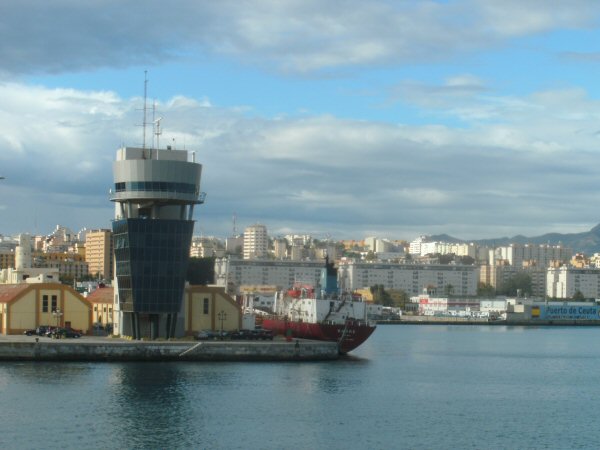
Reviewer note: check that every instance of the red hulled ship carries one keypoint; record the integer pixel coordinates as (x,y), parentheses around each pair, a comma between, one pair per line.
(324,315)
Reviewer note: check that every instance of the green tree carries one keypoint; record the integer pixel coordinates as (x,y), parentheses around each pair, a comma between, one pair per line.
(67,279)
(370,256)
(578,296)
(519,283)
(485,290)
(399,298)
(466,260)
(448,290)
(380,295)
(445,259)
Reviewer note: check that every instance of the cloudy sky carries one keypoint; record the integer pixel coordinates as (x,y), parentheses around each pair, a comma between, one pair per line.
(477,118)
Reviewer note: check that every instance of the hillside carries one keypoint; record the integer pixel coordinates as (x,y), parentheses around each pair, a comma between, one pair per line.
(587,242)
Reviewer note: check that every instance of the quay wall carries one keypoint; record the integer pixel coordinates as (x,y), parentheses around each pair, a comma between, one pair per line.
(42,350)
(427,320)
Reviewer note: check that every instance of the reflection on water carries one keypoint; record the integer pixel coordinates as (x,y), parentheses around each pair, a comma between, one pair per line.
(150,396)
(407,386)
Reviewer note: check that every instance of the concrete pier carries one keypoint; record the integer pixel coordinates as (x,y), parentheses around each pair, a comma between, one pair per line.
(84,349)
(428,320)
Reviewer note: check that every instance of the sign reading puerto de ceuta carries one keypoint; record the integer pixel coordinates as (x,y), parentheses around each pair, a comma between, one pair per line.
(572,312)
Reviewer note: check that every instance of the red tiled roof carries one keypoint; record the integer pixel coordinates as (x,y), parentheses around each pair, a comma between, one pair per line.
(102,295)
(10,292)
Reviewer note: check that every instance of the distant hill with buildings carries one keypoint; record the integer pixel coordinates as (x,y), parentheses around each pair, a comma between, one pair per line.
(587,242)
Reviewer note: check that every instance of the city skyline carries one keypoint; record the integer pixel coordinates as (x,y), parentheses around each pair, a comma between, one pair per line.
(347,119)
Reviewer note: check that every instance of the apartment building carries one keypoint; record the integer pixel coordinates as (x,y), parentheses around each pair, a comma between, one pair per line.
(564,282)
(411,278)
(99,253)
(233,273)
(256,242)
(7,258)
(68,264)
(519,254)
(500,274)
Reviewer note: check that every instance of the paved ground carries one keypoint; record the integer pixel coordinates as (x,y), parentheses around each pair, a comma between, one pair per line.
(108,339)
(23,338)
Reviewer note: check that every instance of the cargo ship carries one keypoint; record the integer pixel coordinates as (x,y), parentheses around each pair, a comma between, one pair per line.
(321,314)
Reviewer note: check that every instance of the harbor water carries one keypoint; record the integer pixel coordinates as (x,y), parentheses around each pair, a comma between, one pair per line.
(408,386)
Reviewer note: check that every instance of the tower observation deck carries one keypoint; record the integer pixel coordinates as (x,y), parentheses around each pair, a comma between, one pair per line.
(155,193)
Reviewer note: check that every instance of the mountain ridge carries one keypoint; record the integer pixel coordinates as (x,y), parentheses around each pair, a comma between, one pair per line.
(587,242)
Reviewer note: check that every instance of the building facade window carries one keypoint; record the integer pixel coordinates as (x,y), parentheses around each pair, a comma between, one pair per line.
(44,303)
(205,306)
(54,303)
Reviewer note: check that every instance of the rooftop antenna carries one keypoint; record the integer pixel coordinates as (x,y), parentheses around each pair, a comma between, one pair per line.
(145,107)
(156,122)
(234,225)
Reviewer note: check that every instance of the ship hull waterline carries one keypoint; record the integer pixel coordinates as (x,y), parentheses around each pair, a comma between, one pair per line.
(348,335)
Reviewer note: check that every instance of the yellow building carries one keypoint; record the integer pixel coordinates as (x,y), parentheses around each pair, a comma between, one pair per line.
(68,264)
(205,308)
(98,253)
(27,306)
(210,308)
(7,259)
(366,294)
(102,300)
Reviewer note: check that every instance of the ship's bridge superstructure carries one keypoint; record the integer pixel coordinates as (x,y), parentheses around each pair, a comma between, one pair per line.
(155,193)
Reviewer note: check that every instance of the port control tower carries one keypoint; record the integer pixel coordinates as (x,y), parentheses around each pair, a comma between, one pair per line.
(155,192)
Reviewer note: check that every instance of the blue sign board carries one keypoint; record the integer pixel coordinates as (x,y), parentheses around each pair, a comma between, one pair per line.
(570,312)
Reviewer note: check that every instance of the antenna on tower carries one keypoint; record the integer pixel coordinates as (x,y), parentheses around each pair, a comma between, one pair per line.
(157,131)
(145,108)
(156,126)
(234,225)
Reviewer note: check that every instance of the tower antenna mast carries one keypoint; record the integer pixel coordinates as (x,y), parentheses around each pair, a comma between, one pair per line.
(145,108)
(156,122)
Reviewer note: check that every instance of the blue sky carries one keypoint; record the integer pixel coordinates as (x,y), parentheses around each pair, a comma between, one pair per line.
(343,118)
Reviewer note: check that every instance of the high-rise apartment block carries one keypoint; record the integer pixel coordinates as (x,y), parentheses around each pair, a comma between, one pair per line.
(565,282)
(256,242)
(519,254)
(411,278)
(235,273)
(99,253)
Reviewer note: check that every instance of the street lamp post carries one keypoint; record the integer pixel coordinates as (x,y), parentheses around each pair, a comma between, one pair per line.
(57,313)
(222,316)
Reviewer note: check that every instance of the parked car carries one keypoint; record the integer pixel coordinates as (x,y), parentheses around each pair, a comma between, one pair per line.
(221,335)
(30,332)
(263,334)
(49,331)
(71,333)
(241,335)
(61,333)
(204,335)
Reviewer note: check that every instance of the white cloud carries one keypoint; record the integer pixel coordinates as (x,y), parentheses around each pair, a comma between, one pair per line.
(299,36)
(532,165)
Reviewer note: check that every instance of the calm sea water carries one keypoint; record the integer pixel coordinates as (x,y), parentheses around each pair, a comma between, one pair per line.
(416,387)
